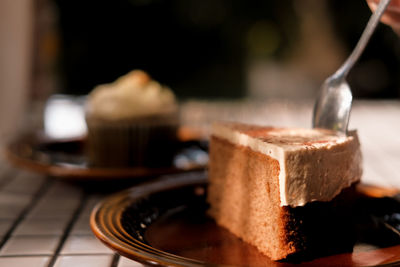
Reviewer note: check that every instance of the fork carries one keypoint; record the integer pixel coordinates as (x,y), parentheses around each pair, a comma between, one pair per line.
(332,107)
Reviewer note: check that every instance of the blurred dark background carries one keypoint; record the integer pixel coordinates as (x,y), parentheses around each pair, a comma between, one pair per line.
(211,48)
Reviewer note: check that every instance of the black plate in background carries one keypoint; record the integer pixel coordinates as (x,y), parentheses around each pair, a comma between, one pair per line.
(66,159)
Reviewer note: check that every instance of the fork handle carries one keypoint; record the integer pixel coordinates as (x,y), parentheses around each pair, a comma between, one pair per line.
(366,35)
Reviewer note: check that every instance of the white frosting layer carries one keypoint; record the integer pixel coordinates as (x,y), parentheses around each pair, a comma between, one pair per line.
(315,165)
(132,95)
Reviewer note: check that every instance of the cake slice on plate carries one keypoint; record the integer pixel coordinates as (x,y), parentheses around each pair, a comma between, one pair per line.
(282,189)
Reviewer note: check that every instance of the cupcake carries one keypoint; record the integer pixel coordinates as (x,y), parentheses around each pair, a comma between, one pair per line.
(131,122)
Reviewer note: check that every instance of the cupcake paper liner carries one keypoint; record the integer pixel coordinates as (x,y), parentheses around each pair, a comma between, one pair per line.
(132,143)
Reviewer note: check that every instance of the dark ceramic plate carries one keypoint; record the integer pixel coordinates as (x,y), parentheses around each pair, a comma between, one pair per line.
(66,159)
(165,223)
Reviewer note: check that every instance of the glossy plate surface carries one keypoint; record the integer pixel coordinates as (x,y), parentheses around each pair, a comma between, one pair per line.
(66,159)
(165,223)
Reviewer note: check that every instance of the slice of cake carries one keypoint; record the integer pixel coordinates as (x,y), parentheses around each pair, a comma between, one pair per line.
(280,189)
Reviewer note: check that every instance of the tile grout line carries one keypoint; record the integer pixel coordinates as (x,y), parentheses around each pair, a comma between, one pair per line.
(115,260)
(68,229)
(43,188)
(23,258)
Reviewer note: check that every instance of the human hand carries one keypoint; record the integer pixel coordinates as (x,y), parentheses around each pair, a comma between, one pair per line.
(392,13)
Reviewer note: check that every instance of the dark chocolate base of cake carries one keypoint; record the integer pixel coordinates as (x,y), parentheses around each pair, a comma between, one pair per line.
(322,228)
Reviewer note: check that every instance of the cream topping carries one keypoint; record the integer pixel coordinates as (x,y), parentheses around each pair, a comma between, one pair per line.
(315,164)
(132,95)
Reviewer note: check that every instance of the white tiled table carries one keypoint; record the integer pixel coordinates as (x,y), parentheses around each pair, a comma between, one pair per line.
(45,221)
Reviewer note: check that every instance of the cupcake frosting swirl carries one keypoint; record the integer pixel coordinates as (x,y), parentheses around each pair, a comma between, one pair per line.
(130,96)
